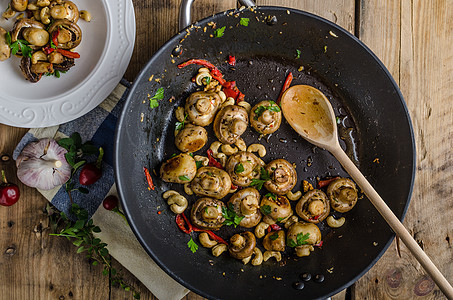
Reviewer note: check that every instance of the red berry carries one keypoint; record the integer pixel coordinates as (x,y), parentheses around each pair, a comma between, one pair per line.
(110,202)
(89,174)
(9,192)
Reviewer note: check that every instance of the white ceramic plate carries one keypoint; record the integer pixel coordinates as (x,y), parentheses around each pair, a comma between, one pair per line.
(106,49)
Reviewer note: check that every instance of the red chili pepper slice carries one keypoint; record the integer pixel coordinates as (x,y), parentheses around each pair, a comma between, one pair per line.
(286,85)
(47,50)
(55,35)
(231,60)
(314,218)
(212,161)
(149,179)
(215,237)
(326,182)
(269,229)
(319,244)
(68,53)
(183,223)
(201,62)
(275,227)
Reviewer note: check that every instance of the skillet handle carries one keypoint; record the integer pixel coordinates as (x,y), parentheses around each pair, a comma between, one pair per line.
(185,15)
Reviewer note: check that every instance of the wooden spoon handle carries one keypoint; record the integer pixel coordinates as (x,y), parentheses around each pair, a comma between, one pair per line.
(393,221)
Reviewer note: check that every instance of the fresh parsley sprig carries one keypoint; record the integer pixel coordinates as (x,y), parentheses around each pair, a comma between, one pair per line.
(219,32)
(301,240)
(231,218)
(264,176)
(181,125)
(192,245)
(154,100)
(81,234)
(261,109)
(239,168)
(244,21)
(266,209)
(21,45)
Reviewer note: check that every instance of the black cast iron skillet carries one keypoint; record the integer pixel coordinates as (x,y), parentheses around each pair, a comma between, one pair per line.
(376,129)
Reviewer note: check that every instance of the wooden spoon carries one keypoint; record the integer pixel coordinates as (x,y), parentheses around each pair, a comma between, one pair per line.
(309,112)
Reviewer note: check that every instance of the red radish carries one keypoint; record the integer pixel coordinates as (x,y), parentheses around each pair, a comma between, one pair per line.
(110,202)
(9,192)
(92,172)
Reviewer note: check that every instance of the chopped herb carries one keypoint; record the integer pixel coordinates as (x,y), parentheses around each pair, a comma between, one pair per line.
(207,80)
(21,45)
(338,120)
(266,209)
(231,218)
(184,178)
(301,240)
(298,53)
(244,21)
(153,101)
(280,219)
(261,109)
(219,32)
(271,195)
(192,245)
(239,168)
(274,236)
(199,164)
(52,45)
(264,176)
(181,125)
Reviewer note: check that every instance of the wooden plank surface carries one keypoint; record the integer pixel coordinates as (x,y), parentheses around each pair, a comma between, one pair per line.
(413,40)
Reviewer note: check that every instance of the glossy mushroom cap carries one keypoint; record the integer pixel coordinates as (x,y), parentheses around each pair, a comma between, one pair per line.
(211,182)
(246,204)
(313,207)
(207,214)
(230,123)
(242,167)
(283,177)
(69,33)
(191,138)
(201,107)
(19,28)
(275,241)
(64,10)
(242,245)
(275,209)
(179,169)
(266,117)
(342,194)
(19,5)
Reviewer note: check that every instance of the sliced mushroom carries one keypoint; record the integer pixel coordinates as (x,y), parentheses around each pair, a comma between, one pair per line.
(69,33)
(342,193)
(283,177)
(230,123)
(179,169)
(246,204)
(25,66)
(275,209)
(266,117)
(242,245)
(211,182)
(19,5)
(201,107)
(36,36)
(19,28)
(207,214)
(302,237)
(275,241)
(313,207)
(243,167)
(67,64)
(191,139)
(5,50)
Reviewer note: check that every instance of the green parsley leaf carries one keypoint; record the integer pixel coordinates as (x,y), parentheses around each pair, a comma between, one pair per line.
(26,50)
(266,209)
(264,176)
(219,32)
(301,240)
(199,164)
(52,45)
(153,101)
(181,125)
(8,38)
(298,53)
(274,236)
(184,177)
(192,245)
(271,195)
(244,21)
(261,109)
(231,218)
(291,243)
(207,80)
(239,168)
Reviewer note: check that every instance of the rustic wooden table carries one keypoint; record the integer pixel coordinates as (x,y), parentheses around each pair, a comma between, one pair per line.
(412,37)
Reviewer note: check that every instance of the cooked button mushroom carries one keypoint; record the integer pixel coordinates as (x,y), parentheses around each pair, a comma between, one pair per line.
(302,237)
(246,204)
(179,169)
(211,182)
(266,117)
(283,177)
(5,50)
(36,36)
(19,5)
(313,207)
(242,245)
(243,167)
(230,123)
(21,26)
(201,107)
(69,34)
(275,209)
(191,138)
(274,241)
(342,193)
(25,66)
(207,214)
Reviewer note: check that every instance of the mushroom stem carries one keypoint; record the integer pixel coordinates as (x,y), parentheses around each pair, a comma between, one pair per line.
(316,207)
(237,240)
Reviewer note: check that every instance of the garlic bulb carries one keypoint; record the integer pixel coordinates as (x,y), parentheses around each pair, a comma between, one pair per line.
(42,165)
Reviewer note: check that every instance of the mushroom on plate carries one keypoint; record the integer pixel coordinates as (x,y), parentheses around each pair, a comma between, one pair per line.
(230,123)
(32,74)
(283,177)
(243,166)
(201,107)
(275,209)
(246,204)
(33,31)
(242,245)
(207,214)
(303,236)
(68,34)
(179,169)
(5,50)
(275,241)
(19,5)
(313,207)
(211,182)
(342,193)
(266,117)
(64,10)
(191,138)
